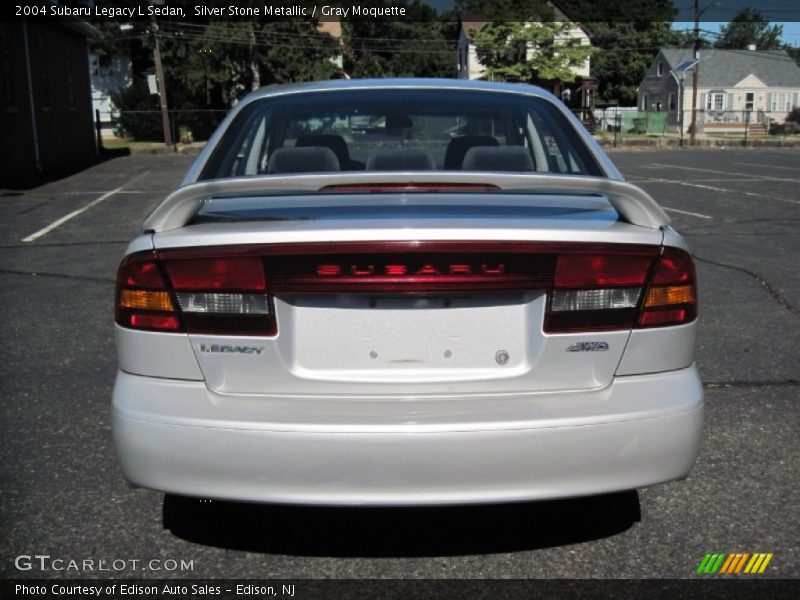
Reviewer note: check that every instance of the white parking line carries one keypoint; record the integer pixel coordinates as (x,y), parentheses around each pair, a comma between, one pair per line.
(58,222)
(686,212)
(704,180)
(747,164)
(717,171)
(85,192)
(720,189)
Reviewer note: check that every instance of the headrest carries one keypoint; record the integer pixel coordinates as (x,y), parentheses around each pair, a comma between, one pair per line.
(313,159)
(327,140)
(502,158)
(401,159)
(457,148)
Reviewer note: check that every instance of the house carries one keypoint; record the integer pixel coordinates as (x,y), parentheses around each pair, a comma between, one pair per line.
(470,67)
(735,88)
(108,80)
(332,26)
(46,114)
(578,94)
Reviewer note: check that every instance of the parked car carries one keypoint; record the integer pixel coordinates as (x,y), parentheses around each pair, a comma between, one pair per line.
(405,292)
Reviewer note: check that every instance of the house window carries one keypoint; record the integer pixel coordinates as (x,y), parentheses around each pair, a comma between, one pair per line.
(780,102)
(660,69)
(658,106)
(645,102)
(716,101)
(671,102)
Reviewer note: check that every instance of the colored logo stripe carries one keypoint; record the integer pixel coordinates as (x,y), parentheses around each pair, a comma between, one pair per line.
(758,563)
(711,562)
(733,563)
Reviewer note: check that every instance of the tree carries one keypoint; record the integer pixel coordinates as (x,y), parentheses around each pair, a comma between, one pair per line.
(626,51)
(628,36)
(750,27)
(531,51)
(420,45)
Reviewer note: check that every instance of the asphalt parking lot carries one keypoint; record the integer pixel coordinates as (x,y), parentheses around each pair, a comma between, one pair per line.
(63,495)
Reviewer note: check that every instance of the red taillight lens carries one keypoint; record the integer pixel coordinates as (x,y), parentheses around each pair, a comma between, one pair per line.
(671,298)
(143,275)
(159,322)
(142,299)
(361,188)
(601,270)
(676,266)
(235,273)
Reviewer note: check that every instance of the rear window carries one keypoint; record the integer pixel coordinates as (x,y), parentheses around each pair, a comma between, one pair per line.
(399,130)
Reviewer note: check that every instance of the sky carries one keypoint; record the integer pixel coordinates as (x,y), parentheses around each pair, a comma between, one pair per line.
(791,29)
(781,12)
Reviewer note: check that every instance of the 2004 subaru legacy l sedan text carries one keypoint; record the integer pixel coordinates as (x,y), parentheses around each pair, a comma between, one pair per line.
(405,292)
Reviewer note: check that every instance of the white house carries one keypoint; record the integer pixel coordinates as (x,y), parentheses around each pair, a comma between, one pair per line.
(106,81)
(470,67)
(734,87)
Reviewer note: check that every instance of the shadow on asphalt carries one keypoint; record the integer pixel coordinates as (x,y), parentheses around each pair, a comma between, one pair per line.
(31,180)
(399,532)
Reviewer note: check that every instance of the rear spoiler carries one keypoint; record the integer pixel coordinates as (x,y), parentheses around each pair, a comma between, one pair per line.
(633,205)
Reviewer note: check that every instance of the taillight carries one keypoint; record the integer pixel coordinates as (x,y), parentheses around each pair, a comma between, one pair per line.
(224,295)
(229,291)
(143,300)
(595,291)
(671,298)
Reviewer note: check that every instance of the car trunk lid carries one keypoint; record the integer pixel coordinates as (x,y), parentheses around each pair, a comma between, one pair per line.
(374,293)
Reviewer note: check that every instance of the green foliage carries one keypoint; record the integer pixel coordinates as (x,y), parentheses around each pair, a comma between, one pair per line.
(185,135)
(138,125)
(626,36)
(626,51)
(537,52)
(750,27)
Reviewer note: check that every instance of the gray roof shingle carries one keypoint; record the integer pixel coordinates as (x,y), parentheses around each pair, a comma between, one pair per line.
(726,68)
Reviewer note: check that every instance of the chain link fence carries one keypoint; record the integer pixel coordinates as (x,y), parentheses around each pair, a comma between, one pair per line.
(617,124)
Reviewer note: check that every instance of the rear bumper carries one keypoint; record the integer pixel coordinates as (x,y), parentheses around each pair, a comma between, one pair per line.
(411,462)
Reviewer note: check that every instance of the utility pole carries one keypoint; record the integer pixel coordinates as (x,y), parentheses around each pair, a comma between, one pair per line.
(162,90)
(253,61)
(696,70)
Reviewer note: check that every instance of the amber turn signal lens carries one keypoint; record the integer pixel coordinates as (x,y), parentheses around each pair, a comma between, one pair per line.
(145,300)
(670,294)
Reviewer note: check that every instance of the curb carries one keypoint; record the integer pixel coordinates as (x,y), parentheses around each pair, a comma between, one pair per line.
(658,143)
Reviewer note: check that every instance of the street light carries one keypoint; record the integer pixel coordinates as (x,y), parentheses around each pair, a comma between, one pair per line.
(681,69)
